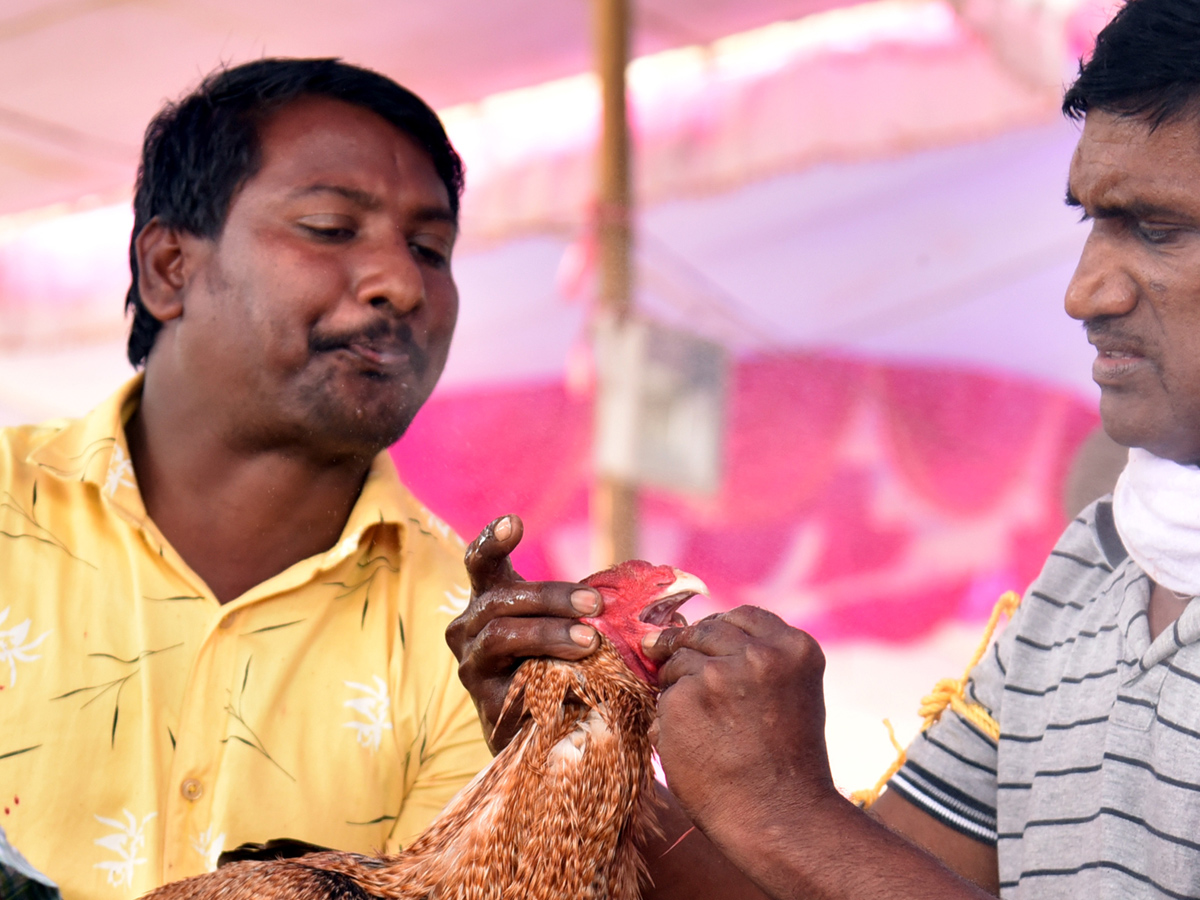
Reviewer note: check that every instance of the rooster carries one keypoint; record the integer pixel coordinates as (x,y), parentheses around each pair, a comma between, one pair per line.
(557,814)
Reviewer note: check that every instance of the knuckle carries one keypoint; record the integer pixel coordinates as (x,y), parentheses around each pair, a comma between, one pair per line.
(459,623)
(493,633)
(468,674)
(474,550)
(761,659)
(465,624)
(667,676)
(493,601)
(671,673)
(800,643)
(712,679)
(810,651)
(669,709)
(677,668)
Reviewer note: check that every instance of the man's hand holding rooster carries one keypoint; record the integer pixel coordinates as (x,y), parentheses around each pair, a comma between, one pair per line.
(741,727)
(510,619)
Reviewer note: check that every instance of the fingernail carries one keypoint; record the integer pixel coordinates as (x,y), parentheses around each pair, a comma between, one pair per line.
(649,640)
(503,529)
(585,601)
(583,635)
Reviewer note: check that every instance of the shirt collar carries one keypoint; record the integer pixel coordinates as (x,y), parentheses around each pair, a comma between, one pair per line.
(93,450)
(383,500)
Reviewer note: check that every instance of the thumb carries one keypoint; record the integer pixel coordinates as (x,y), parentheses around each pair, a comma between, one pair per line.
(487,559)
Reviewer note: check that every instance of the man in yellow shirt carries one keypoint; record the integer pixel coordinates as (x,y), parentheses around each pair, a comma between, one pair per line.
(221,614)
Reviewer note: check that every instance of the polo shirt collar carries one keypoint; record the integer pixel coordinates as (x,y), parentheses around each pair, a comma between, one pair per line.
(93,450)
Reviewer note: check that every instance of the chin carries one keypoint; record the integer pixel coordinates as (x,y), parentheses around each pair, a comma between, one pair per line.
(378,427)
(1130,421)
(352,413)
(360,429)
(1164,440)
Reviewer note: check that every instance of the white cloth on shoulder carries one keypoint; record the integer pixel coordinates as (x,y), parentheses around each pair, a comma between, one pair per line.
(1156,507)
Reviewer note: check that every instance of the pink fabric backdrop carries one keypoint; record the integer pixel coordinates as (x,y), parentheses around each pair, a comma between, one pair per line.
(860,498)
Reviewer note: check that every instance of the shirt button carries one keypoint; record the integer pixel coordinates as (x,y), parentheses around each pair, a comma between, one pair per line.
(191,789)
(227,621)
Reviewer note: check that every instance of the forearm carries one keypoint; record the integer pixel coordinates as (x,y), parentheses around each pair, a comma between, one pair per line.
(831,851)
(685,865)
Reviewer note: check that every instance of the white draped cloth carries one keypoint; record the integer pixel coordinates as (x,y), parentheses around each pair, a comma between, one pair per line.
(1156,507)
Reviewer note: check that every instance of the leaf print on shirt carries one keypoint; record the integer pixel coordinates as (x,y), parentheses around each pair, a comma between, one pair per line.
(433,523)
(9,753)
(118,683)
(127,841)
(15,646)
(18,523)
(375,707)
(456,601)
(84,459)
(209,846)
(435,527)
(120,471)
(254,742)
(371,567)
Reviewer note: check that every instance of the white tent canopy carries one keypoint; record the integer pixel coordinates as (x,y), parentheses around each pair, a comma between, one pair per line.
(885,182)
(79,79)
(959,254)
(876,178)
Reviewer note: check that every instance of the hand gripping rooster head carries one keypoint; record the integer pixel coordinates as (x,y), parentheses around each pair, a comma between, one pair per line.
(639,599)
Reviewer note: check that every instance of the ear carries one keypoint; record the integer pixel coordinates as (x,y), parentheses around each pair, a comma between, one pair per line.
(164,256)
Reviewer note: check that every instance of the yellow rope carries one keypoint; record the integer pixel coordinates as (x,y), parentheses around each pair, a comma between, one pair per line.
(865,798)
(949,692)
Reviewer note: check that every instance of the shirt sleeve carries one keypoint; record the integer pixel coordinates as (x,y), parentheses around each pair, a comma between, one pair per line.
(951,776)
(950,770)
(449,756)
(448,748)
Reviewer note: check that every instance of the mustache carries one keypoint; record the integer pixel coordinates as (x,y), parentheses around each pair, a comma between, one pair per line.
(379,336)
(1110,330)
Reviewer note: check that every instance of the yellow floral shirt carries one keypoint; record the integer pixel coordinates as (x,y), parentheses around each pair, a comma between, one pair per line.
(144,727)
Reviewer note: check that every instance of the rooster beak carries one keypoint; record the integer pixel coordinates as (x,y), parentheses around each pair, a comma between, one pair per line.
(662,612)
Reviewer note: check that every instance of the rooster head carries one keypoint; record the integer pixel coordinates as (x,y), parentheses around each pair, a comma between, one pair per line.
(640,598)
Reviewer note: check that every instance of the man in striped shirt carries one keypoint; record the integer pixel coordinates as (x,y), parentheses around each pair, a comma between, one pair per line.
(1092,787)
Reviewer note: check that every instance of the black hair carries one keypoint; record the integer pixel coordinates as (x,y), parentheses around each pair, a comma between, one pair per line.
(1146,64)
(199,151)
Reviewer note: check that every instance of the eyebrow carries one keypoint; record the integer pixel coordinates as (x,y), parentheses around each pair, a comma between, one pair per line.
(371,202)
(1134,210)
(436,214)
(364,199)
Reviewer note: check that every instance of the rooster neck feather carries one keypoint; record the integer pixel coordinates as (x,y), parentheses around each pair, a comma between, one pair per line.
(559,813)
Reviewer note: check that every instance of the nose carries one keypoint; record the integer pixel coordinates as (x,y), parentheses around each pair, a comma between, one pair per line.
(1100,286)
(389,276)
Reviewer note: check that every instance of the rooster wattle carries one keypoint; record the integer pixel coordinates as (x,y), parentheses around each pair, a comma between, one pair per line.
(558,813)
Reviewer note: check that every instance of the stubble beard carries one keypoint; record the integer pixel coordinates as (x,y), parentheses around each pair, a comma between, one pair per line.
(348,427)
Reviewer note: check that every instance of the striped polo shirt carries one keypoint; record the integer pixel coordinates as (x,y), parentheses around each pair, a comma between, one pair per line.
(1093,790)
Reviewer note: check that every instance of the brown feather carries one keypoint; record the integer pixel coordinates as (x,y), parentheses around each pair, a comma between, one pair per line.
(559,813)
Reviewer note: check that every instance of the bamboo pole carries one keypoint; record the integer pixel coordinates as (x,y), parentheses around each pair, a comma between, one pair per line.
(613,501)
